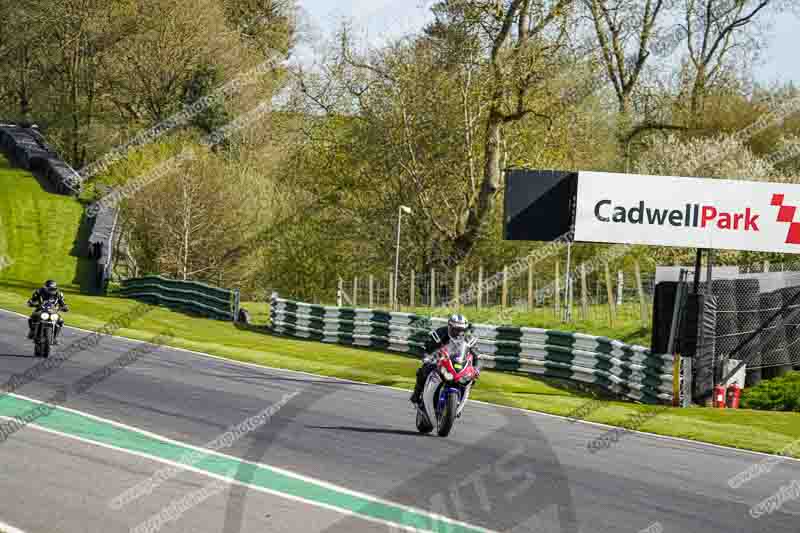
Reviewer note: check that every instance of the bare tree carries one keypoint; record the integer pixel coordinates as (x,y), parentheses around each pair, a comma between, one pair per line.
(622,25)
(513,61)
(712,28)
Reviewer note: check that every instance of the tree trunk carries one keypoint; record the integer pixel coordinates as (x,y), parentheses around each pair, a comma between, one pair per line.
(698,93)
(487,196)
(74,97)
(24,89)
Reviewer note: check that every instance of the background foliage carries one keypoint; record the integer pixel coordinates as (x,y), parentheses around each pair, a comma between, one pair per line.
(309,192)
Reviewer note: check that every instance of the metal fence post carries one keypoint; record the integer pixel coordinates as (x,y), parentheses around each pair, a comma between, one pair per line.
(584,293)
(355,291)
(391,290)
(557,288)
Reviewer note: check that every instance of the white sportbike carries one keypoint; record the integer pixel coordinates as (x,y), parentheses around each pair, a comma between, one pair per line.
(447,388)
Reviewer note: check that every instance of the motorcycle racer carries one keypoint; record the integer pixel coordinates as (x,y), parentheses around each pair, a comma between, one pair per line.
(47,293)
(456,327)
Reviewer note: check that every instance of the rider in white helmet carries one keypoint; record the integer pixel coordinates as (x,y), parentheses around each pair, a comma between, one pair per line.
(457,326)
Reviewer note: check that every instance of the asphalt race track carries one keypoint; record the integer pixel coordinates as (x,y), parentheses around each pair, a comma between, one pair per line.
(337,457)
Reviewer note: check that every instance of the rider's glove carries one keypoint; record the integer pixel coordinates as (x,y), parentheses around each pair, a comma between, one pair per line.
(31,304)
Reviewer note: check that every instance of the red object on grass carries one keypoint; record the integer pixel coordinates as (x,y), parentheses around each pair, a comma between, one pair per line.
(719,397)
(734,395)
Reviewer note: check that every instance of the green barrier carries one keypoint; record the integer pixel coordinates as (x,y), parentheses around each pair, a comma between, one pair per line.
(630,371)
(189,296)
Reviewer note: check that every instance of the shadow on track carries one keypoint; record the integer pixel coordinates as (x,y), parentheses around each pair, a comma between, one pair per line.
(388,431)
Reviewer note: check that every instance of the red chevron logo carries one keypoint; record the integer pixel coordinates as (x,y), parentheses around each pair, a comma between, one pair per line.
(786,214)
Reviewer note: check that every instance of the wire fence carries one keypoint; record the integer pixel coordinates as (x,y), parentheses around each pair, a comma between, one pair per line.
(758,317)
(612,296)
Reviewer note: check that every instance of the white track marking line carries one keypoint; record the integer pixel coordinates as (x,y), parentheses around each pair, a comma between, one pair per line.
(528,412)
(5,528)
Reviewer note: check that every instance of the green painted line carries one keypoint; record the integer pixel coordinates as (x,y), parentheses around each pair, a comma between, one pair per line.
(93,430)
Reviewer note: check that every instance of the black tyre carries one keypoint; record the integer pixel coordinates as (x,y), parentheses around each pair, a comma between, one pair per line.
(423,426)
(37,349)
(48,341)
(449,414)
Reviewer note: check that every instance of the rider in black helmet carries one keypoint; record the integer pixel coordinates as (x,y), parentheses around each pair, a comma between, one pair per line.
(456,326)
(47,293)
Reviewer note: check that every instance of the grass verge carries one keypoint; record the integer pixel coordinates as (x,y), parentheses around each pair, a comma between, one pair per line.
(627,327)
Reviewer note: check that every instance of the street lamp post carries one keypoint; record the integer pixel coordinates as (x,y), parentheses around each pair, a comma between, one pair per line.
(407,210)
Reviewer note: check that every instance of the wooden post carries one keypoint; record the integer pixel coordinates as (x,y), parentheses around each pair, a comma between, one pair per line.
(355,291)
(371,290)
(557,292)
(433,288)
(530,284)
(504,302)
(610,295)
(413,289)
(458,288)
(640,289)
(584,294)
(480,286)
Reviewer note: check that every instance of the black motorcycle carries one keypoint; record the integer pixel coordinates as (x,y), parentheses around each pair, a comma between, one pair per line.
(44,329)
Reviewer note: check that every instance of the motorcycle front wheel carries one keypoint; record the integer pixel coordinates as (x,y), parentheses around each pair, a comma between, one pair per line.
(449,414)
(46,342)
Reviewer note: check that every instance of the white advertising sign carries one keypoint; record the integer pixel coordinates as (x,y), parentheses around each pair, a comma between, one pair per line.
(688,212)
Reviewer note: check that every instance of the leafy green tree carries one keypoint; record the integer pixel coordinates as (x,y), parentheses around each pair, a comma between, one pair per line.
(203,81)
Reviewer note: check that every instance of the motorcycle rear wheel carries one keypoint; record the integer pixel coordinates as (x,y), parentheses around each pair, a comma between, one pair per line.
(423,426)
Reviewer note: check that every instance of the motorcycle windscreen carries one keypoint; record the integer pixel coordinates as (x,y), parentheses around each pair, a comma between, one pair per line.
(458,349)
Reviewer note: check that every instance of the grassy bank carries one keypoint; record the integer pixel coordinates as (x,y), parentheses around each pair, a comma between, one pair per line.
(39,232)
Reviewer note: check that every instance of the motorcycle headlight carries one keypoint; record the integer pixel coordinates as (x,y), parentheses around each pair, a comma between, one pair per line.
(447,375)
(45,316)
(54,316)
